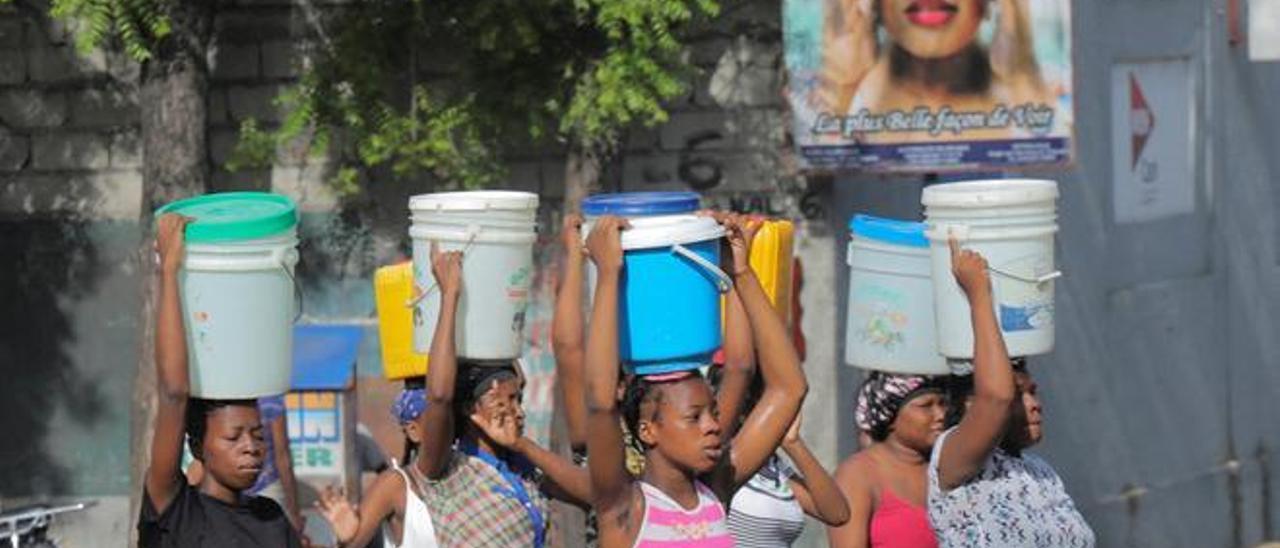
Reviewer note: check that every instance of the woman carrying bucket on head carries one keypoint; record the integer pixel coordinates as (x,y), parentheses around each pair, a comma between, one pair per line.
(769,511)
(978,466)
(225,435)
(673,415)
(394,503)
(483,486)
(886,482)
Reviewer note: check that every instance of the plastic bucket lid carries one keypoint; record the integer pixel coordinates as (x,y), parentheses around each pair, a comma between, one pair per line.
(889,231)
(670,230)
(990,193)
(479,200)
(635,204)
(231,216)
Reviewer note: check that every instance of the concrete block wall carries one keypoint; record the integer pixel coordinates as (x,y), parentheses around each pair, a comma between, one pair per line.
(66,121)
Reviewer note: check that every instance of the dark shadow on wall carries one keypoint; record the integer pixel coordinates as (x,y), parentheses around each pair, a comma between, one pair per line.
(54,262)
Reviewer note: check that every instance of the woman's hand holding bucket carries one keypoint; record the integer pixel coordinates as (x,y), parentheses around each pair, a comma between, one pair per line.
(170,237)
(447,269)
(571,238)
(741,233)
(970,270)
(604,244)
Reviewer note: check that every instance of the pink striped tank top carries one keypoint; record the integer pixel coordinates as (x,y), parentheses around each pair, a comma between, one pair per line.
(668,525)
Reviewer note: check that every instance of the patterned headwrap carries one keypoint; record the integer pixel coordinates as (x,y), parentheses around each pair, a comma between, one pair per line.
(883,394)
(410,404)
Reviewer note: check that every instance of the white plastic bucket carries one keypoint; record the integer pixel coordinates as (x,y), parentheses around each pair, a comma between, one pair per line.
(496,231)
(240,305)
(1012,223)
(890,318)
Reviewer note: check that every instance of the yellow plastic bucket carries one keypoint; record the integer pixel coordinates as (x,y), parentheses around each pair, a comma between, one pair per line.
(393,290)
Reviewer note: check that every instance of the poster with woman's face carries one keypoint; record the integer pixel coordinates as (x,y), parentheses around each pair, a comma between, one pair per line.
(929,85)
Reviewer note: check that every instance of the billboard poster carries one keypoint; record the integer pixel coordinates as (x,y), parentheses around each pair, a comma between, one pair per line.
(929,85)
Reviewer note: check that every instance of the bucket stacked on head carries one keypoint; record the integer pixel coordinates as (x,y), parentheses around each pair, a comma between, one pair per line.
(496,231)
(890,323)
(238,292)
(670,295)
(1012,223)
(907,313)
(632,205)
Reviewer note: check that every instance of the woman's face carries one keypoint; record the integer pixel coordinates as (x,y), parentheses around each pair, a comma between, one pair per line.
(932,29)
(233,448)
(685,425)
(504,398)
(1025,428)
(919,421)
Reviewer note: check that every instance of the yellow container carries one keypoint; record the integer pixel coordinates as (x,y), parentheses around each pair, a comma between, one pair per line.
(771,257)
(393,289)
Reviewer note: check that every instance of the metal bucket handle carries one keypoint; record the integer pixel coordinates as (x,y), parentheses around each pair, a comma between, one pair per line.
(723,281)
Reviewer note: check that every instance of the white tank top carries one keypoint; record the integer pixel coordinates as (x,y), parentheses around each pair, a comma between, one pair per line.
(418,529)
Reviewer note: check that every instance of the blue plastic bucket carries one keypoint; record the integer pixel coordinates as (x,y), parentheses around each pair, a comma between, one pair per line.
(669,317)
(632,205)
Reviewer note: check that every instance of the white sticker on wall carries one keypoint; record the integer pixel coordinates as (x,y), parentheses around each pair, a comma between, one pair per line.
(1152,140)
(1264,30)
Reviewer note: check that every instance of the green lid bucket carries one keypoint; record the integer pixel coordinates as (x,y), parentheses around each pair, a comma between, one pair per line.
(235,216)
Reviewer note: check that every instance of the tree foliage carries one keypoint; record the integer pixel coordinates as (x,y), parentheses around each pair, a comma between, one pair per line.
(136,24)
(445,87)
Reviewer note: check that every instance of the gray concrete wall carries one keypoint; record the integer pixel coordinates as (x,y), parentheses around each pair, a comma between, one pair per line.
(1160,398)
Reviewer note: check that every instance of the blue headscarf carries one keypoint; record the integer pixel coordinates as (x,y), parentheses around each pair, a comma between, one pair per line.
(410,404)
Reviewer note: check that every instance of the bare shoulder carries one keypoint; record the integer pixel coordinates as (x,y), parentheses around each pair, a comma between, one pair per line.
(387,492)
(855,472)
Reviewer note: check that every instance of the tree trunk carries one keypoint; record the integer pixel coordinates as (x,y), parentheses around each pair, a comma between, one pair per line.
(581,176)
(173,111)
(581,179)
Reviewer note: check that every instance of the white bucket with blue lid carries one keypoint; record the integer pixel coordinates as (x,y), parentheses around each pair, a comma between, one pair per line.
(890,323)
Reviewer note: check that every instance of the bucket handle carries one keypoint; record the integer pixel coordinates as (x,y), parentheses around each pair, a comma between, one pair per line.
(961,233)
(285,257)
(280,258)
(1037,280)
(473,230)
(723,281)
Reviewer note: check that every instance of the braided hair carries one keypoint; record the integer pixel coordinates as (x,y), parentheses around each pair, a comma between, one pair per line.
(641,390)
